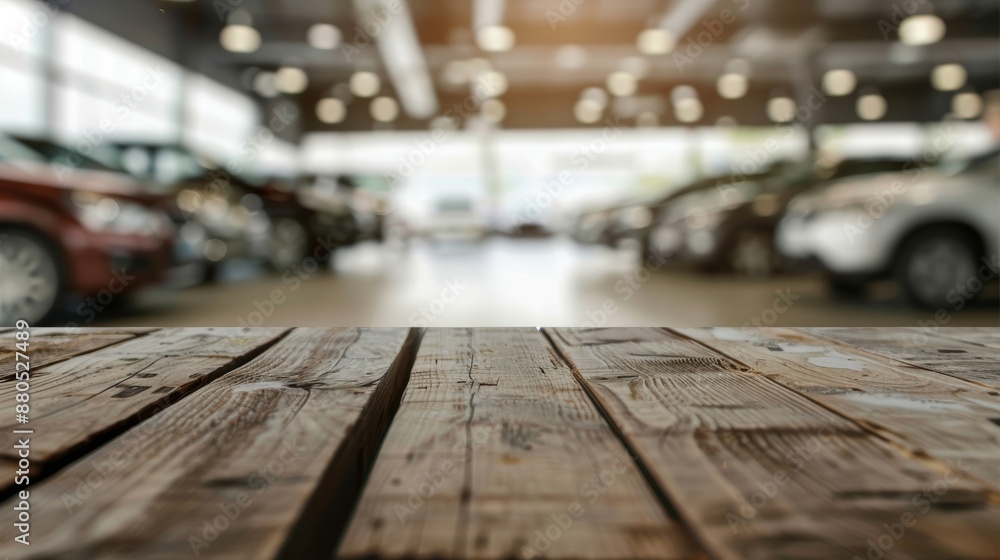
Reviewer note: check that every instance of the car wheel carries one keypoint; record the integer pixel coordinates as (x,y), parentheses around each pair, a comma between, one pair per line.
(288,244)
(934,263)
(30,279)
(753,253)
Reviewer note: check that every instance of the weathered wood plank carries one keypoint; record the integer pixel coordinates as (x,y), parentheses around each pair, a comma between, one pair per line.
(81,402)
(923,411)
(758,470)
(984,336)
(228,471)
(494,445)
(912,346)
(50,345)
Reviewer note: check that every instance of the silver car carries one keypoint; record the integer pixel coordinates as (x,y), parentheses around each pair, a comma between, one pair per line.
(934,229)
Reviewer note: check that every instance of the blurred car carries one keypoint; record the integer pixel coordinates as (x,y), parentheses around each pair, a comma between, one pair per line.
(223,215)
(689,223)
(189,261)
(931,229)
(729,227)
(92,234)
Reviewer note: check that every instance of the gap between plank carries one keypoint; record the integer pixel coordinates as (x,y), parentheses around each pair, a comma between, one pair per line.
(324,520)
(647,475)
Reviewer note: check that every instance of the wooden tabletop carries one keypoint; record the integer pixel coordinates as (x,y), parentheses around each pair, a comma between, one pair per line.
(507,443)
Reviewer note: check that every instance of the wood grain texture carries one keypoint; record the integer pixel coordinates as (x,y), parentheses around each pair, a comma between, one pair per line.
(757,470)
(81,402)
(496,452)
(914,347)
(923,411)
(983,336)
(230,471)
(50,345)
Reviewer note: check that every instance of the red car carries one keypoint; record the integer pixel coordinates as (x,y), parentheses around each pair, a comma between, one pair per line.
(64,232)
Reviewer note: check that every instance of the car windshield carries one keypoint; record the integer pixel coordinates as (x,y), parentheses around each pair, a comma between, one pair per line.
(15,152)
(68,157)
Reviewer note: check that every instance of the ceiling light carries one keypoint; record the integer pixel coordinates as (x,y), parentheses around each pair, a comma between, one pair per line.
(494,83)
(239,38)
(732,86)
(682,92)
(656,41)
(781,109)
(871,107)
(587,111)
(622,84)
(323,36)
(365,84)
(924,29)
(495,38)
(839,82)
(949,77)
(688,110)
(331,110)
(291,80)
(493,110)
(596,95)
(384,109)
(967,105)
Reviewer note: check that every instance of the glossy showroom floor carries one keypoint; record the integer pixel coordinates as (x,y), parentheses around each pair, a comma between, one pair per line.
(503,282)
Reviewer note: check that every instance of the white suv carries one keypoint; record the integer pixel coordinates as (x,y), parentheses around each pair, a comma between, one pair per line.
(935,229)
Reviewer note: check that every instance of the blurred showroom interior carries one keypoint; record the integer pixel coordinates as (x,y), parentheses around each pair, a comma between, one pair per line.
(500,162)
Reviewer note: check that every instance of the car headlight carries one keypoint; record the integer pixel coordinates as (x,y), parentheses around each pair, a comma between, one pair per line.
(106,214)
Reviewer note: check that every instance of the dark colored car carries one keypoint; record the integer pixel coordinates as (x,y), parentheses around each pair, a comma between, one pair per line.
(729,226)
(637,222)
(223,215)
(78,232)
